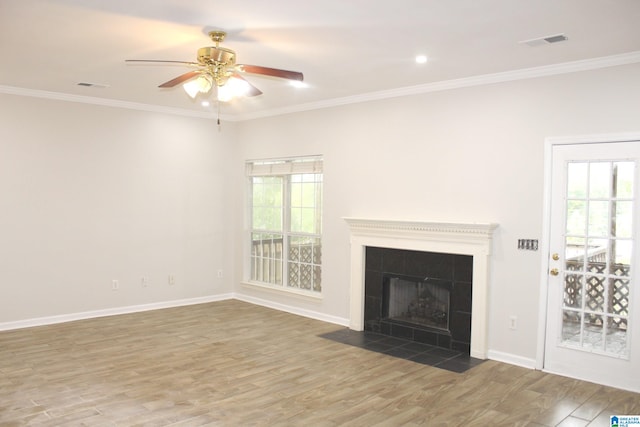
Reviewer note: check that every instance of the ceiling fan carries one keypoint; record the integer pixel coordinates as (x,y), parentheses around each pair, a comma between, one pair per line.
(216,68)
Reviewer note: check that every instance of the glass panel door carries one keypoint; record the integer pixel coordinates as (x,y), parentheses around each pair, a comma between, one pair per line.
(598,250)
(592,331)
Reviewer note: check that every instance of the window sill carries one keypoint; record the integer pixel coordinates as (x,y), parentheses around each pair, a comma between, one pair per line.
(280,290)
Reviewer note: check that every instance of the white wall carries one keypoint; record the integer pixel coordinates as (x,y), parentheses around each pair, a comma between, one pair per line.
(468,155)
(89,194)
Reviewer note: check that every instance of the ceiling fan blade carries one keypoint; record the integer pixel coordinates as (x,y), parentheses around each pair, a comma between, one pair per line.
(273,72)
(253,91)
(181,78)
(162,61)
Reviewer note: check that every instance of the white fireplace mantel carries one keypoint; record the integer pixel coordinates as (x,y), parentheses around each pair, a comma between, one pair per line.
(454,238)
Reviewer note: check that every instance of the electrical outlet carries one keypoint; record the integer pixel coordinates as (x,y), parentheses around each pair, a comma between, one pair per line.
(513,322)
(115,285)
(144,281)
(172,279)
(219,274)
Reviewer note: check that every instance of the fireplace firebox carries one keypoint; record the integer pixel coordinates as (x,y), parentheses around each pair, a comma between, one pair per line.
(416,301)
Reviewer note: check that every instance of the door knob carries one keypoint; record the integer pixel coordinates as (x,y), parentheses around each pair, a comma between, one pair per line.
(554,271)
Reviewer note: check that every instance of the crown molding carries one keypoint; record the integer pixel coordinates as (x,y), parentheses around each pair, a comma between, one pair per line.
(106,102)
(485,79)
(522,74)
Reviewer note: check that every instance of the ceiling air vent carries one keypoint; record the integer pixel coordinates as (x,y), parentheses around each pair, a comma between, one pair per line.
(86,84)
(556,38)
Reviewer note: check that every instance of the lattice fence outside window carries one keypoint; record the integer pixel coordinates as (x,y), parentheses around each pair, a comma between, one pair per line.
(589,289)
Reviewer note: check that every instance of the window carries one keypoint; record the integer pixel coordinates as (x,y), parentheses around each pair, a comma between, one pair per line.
(285,205)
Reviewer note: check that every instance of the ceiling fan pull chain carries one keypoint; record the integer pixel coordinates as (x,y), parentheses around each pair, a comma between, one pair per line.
(218,114)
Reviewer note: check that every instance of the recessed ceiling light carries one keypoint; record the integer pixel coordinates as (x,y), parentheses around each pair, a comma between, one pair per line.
(421,59)
(298,84)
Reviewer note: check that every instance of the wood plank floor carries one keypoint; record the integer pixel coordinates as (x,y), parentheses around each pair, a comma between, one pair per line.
(231,363)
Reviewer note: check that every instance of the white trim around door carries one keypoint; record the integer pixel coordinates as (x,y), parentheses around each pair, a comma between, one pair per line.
(550,143)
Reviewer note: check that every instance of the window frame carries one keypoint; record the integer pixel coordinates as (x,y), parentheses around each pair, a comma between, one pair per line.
(284,168)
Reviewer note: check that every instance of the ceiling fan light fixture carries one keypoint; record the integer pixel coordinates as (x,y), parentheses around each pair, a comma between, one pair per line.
(201,84)
(233,88)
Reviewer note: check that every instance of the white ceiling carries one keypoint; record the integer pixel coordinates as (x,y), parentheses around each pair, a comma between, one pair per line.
(347,49)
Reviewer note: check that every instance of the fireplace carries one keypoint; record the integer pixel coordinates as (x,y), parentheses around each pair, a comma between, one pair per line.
(464,242)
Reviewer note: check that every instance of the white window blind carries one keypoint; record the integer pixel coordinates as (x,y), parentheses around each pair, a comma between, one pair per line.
(284,166)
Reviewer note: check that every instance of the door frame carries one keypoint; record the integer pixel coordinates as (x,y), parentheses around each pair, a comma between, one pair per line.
(549,144)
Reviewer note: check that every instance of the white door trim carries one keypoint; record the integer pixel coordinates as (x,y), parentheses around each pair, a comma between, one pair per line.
(549,143)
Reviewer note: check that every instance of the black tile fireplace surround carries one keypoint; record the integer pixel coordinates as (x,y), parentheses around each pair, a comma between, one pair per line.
(453,269)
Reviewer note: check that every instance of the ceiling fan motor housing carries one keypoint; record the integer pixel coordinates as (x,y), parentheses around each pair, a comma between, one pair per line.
(216,55)
(218,61)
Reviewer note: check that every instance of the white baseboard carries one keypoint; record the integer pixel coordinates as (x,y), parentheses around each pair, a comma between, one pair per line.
(511,359)
(293,310)
(50,320)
